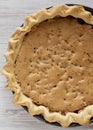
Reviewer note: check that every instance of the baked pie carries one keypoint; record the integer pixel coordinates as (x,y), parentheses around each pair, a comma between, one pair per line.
(49,64)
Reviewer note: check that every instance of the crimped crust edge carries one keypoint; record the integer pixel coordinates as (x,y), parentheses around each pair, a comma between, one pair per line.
(83,116)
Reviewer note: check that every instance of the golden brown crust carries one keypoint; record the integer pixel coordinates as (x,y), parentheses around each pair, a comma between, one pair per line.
(15,43)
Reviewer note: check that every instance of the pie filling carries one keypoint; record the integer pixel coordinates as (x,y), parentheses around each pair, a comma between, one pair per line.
(54,66)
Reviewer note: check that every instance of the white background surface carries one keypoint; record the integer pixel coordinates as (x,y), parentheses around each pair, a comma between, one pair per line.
(12,13)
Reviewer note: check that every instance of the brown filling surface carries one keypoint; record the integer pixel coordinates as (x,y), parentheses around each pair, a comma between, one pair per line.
(54,66)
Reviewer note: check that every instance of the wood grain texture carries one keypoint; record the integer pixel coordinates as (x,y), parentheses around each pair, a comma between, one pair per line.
(12,13)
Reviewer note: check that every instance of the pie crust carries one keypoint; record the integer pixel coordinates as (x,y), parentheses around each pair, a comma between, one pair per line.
(15,43)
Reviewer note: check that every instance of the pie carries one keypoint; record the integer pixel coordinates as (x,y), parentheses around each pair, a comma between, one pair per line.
(49,64)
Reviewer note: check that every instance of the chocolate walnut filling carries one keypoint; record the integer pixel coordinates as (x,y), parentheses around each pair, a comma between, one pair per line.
(54,66)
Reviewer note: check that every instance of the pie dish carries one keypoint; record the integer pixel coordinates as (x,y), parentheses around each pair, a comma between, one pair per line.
(49,64)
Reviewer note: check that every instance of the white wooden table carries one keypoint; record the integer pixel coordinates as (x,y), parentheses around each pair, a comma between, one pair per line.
(12,13)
